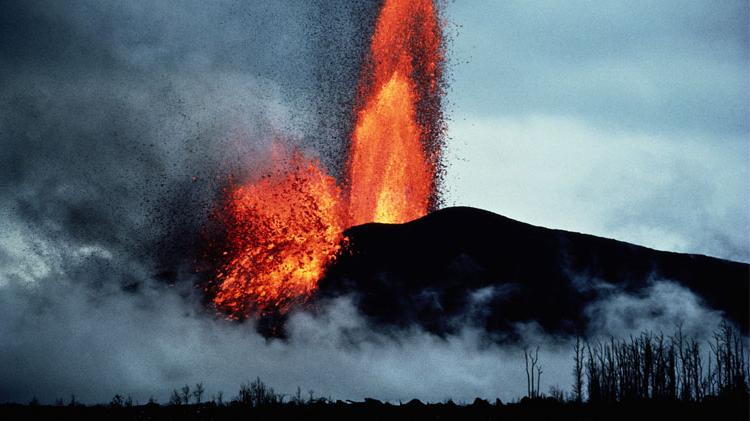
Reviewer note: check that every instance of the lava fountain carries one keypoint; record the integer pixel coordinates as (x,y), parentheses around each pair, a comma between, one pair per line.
(393,154)
(285,228)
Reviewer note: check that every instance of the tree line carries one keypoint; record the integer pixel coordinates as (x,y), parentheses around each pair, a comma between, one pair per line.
(652,366)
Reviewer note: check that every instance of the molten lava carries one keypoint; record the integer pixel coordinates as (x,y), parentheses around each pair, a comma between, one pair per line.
(392,173)
(282,232)
(284,229)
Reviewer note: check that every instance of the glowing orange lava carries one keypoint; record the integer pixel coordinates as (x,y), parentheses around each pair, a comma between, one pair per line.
(282,232)
(391,173)
(284,229)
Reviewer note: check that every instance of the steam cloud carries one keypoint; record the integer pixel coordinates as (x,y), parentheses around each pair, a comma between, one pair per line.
(60,337)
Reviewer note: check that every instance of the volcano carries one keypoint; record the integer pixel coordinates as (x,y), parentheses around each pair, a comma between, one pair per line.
(461,262)
(296,232)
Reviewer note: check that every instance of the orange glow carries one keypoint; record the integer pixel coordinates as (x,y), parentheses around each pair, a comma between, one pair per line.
(282,232)
(284,229)
(391,174)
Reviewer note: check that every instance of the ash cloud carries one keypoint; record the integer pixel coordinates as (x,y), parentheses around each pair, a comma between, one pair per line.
(122,121)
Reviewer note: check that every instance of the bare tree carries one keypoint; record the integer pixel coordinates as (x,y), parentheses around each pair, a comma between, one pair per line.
(198,392)
(578,371)
(533,372)
(297,398)
(592,375)
(557,393)
(185,394)
(220,398)
(538,379)
(175,398)
(117,401)
(652,367)
(731,361)
(257,393)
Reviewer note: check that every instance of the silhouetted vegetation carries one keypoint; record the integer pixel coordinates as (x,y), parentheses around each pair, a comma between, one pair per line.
(533,369)
(652,366)
(649,375)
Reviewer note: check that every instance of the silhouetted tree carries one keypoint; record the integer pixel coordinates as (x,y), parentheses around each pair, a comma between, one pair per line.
(731,366)
(185,394)
(557,393)
(220,398)
(198,392)
(117,401)
(297,398)
(578,371)
(257,393)
(532,369)
(654,367)
(592,376)
(175,398)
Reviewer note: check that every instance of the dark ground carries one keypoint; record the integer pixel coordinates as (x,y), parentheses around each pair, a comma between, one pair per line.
(539,409)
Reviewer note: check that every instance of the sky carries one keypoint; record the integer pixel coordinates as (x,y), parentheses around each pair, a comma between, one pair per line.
(627,120)
(120,120)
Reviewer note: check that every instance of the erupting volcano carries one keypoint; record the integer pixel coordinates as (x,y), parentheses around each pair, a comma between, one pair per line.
(284,229)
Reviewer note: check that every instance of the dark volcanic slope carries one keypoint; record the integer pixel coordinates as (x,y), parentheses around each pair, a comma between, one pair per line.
(434,272)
